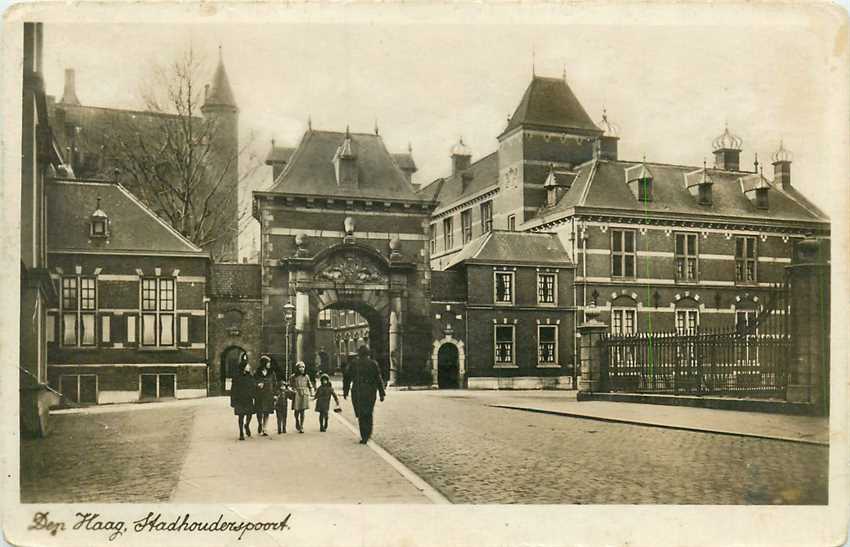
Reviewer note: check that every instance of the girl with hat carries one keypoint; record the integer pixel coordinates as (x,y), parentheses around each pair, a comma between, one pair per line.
(264,399)
(303,387)
(323,400)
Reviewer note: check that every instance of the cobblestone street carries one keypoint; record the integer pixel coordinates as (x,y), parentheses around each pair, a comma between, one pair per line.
(455,441)
(474,453)
(130,456)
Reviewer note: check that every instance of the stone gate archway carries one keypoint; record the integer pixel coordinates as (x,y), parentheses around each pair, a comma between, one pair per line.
(435,360)
(357,277)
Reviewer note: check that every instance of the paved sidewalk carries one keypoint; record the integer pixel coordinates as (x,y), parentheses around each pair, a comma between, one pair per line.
(803,429)
(313,467)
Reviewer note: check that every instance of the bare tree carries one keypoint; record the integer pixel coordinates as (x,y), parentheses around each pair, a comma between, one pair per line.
(180,163)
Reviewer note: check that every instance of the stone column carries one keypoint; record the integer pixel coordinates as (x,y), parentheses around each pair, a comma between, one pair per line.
(395,338)
(590,352)
(808,366)
(302,324)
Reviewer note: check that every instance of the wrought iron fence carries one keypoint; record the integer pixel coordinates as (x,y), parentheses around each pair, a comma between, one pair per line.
(748,361)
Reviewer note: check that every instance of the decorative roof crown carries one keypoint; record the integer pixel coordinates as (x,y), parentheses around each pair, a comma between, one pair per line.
(782,154)
(460,149)
(610,129)
(727,141)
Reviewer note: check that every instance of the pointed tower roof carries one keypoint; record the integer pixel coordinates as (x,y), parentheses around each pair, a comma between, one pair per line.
(220,93)
(549,102)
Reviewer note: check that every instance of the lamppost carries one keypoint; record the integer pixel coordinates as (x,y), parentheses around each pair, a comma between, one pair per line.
(288,315)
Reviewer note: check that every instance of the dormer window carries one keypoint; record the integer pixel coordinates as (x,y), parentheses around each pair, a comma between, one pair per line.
(639,179)
(645,189)
(99,223)
(761,198)
(699,184)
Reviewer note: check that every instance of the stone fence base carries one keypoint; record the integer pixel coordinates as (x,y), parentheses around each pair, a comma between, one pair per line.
(521,382)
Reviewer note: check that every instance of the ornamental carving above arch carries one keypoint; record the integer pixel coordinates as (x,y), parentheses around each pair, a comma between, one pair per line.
(350,268)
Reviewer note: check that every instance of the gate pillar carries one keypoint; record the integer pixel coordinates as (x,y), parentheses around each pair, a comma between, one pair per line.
(590,351)
(808,374)
(302,325)
(395,338)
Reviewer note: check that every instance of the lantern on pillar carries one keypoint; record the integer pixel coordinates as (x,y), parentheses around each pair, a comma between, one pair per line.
(288,316)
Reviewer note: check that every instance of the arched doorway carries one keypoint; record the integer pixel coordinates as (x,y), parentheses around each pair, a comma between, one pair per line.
(448,366)
(230,365)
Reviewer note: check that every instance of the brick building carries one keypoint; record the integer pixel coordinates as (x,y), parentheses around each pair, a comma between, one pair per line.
(656,247)
(130,324)
(101,143)
(235,316)
(504,314)
(343,228)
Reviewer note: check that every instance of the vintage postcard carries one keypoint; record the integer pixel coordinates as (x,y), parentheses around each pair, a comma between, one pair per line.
(357,274)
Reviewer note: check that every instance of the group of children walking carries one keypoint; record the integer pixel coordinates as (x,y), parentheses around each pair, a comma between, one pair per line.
(260,393)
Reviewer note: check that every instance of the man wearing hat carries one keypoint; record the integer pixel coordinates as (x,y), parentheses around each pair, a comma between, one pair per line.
(363,379)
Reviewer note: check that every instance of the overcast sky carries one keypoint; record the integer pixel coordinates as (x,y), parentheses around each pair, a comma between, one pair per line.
(670,88)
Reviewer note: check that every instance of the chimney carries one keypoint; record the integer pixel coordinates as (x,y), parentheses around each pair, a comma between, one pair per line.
(606,147)
(69,95)
(782,167)
(461,157)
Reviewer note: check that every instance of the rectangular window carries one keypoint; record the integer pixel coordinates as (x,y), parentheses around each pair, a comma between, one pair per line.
(622,253)
(105,329)
(148,294)
(546,288)
(687,321)
(547,344)
(149,329)
(623,321)
(88,332)
(746,259)
(166,329)
(157,386)
(166,295)
(686,258)
(69,329)
(433,242)
(131,329)
(512,223)
(448,236)
(69,293)
(486,216)
(88,293)
(79,388)
(504,350)
(466,225)
(504,287)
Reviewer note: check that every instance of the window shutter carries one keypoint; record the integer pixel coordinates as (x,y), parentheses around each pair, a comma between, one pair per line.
(183,330)
(52,329)
(132,331)
(104,328)
(197,325)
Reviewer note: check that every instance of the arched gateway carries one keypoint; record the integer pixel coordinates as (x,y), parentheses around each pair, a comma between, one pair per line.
(343,228)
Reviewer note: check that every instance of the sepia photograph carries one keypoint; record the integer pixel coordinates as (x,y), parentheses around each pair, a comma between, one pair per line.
(359,264)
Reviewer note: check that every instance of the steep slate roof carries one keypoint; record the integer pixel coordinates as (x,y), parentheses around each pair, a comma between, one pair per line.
(279,154)
(220,93)
(550,102)
(506,247)
(602,184)
(132,226)
(311,170)
(485,173)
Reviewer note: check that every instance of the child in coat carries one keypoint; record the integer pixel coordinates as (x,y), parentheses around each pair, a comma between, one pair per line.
(323,400)
(281,399)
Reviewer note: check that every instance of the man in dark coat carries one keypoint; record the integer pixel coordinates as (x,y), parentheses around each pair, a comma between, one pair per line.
(363,377)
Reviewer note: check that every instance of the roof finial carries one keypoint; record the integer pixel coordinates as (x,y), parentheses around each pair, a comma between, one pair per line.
(704,164)
(272,142)
(347,132)
(98,202)
(644,158)
(533,59)
(564,74)
(219,54)
(376,127)
(309,122)
(409,148)
(756,162)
